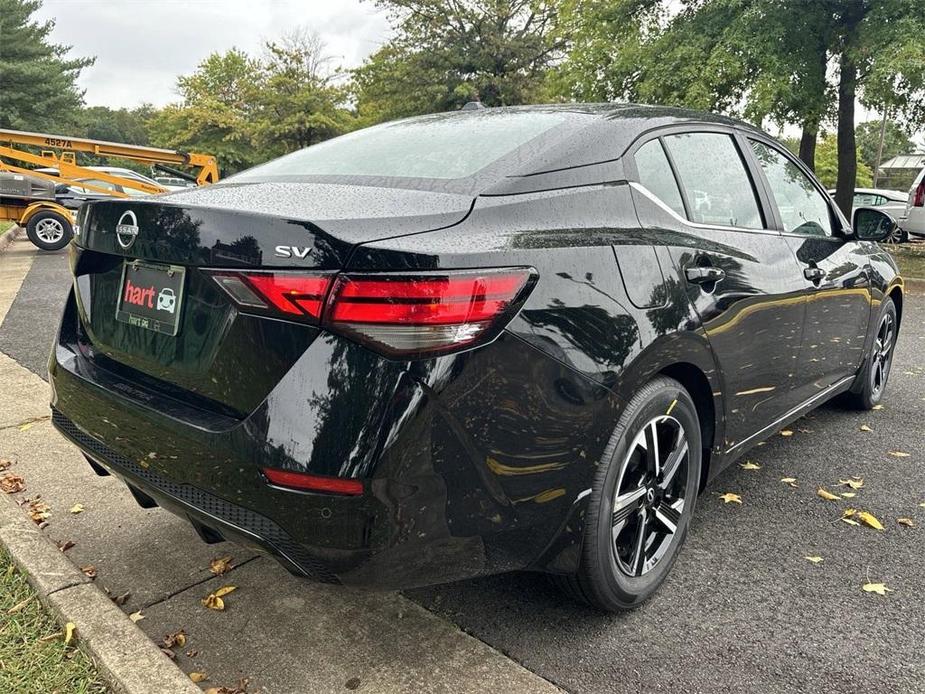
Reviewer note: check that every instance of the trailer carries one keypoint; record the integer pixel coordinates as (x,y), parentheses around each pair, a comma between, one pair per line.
(28,197)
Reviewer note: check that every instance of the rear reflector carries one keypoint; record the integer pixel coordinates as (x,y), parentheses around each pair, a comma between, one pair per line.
(397,314)
(313,483)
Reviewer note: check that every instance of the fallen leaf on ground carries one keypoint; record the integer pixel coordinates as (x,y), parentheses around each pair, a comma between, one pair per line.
(77,508)
(136,617)
(826,494)
(786,432)
(11,484)
(65,545)
(214,600)
(198,677)
(854,482)
(220,565)
(848,495)
(749,466)
(731,498)
(69,632)
(877,407)
(908,522)
(870,520)
(176,639)
(4,464)
(792,481)
(814,560)
(89,570)
(25,427)
(39,511)
(878,588)
(864,427)
(899,454)
(849,521)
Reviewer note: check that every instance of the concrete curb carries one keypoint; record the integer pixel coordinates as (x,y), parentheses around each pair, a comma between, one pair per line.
(8,237)
(127,659)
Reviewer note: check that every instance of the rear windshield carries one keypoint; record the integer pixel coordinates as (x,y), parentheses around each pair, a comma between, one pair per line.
(444,146)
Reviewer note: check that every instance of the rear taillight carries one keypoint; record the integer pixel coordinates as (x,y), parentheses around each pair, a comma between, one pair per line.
(398,314)
(918,200)
(313,483)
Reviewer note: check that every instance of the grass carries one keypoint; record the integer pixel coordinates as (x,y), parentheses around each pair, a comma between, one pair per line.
(5,227)
(33,657)
(911,259)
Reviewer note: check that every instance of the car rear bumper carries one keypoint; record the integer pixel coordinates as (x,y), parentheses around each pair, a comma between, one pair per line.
(471,464)
(914,223)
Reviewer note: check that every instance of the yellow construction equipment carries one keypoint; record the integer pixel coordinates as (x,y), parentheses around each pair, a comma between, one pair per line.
(27,197)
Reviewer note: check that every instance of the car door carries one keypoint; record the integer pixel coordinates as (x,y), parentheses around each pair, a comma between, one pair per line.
(834,268)
(693,189)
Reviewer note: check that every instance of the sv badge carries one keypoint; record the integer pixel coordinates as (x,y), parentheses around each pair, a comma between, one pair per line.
(293,252)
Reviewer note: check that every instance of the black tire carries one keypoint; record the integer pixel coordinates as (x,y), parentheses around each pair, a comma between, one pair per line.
(49,231)
(897,236)
(605,579)
(870,383)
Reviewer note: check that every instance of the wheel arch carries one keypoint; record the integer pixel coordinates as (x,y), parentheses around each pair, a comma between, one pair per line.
(698,387)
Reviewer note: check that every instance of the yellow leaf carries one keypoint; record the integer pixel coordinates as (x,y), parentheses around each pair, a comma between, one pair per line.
(877,407)
(213,602)
(814,560)
(220,565)
(848,512)
(198,677)
(850,521)
(224,590)
(749,466)
(848,495)
(25,427)
(908,522)
(878,588)
(870,520)
(786,432)
(136,617)
(731,498)
(825,494)
(864,427)
(77,508)
(69,632)
(792,481)
(899,454)
(854,482)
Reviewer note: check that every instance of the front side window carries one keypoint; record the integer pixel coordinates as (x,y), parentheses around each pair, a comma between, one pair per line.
(715,180)
(656,175)
(803,209)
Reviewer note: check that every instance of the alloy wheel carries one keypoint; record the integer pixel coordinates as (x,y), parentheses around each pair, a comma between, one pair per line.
(882,354)
(650,496)
(49,230)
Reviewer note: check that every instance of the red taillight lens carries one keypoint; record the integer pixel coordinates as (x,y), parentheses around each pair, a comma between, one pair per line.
(313,483)
(295,294)
(399,314)
(919,199)
(411,315)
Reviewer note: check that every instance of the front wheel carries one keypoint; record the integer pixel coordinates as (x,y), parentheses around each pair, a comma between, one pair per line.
(642,499)
(870,383)
(50,231)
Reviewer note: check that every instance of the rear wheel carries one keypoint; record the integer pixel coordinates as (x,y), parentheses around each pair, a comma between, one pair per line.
(49,230)
(870,384)
(897,236)
(642,499)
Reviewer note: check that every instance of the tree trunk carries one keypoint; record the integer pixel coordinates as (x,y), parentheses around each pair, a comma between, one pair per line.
(847,149)
(808,145)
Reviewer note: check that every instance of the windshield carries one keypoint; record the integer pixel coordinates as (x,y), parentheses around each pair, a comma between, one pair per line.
(440,146)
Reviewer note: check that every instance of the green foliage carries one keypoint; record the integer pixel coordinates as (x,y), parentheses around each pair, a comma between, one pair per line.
(37,79)
(895,141)
(449,52)
(827,165)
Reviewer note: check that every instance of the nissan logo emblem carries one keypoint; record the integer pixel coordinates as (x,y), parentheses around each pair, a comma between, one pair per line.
(127,229)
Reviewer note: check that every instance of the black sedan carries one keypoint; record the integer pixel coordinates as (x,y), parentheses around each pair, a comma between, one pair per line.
(470,343)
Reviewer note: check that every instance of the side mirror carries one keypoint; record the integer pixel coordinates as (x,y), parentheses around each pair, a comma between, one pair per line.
(872,225)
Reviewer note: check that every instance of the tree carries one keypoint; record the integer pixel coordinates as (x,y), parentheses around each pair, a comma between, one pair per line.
(217,113)
(448,52)
(895,141)
(38,82)
(788,60)
(298,103)
(827,165)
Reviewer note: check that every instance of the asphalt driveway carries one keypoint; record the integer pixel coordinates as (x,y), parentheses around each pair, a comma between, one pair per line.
(743,610)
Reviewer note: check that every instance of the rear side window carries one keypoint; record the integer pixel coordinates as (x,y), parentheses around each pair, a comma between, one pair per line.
(715,181)
(656,175)
(803,209)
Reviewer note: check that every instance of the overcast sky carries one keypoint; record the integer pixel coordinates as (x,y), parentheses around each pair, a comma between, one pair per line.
(141,46)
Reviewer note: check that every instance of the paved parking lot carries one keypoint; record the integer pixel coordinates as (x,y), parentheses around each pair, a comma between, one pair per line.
(742,611)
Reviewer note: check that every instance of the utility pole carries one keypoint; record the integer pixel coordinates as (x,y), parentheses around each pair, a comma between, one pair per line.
(880,147)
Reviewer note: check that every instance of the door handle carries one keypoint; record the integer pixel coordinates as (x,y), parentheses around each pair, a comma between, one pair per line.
(704,274)
(814,274)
